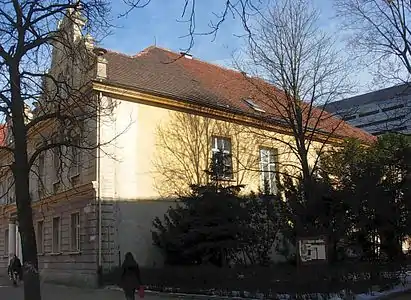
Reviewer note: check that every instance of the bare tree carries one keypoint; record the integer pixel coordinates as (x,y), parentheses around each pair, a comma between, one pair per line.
(380,35)
(63,120)
(379,38)
(244,10)
(185,143)
(305,72)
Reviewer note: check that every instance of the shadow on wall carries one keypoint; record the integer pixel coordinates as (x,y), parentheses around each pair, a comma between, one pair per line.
(130,231)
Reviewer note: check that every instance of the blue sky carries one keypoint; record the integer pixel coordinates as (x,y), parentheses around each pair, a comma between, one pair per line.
(157,24)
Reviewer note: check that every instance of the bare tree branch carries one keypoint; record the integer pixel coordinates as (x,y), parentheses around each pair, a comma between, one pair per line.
(301,61)
(379,36)
(244,10)
(46,63)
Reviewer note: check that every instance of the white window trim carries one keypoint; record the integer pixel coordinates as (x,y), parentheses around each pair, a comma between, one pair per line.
(78,232)
(273,189)
(52,236)
(214,149)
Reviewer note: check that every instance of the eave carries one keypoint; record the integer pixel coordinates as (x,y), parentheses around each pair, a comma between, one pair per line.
(211,111)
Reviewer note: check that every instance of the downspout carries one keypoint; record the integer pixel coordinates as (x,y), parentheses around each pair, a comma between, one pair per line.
(101,74)
(99,251)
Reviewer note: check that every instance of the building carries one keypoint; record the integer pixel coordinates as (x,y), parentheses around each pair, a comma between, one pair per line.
(160,104)
(379,112)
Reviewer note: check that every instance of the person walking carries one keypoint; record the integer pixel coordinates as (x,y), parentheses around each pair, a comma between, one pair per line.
(15,266)
(130,276)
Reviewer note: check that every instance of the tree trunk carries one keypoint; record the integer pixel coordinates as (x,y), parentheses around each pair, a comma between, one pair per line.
(21,173)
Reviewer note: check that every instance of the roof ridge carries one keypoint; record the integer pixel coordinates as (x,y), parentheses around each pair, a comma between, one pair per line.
(145,50)
(155,47)
(119,53)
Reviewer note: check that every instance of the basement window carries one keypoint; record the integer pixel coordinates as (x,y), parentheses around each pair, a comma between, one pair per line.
(253,105)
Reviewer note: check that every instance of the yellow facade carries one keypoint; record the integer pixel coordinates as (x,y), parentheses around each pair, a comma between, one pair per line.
(165,147)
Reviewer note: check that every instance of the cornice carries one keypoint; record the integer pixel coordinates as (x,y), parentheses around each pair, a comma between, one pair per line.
(133,95)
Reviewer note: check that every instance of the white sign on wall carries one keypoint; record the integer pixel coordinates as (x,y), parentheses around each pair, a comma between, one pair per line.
(312,250)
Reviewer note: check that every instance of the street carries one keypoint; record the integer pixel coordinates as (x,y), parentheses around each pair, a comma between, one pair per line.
(52,292)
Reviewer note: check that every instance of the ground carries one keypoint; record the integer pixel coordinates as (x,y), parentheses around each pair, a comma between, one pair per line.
(51,292)
(401,296)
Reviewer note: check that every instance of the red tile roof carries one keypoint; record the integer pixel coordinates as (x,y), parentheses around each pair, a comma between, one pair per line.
(158,71)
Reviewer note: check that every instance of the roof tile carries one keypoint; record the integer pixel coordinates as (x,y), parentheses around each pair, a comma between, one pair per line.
(160,71)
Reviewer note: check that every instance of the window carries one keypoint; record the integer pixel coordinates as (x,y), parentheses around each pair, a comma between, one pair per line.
(41,165)
(41,179)
(370,113)
(393,107)
(10,189)
(348,118)
(75,157)
(254,105)
(56,187)
(268,170)
(3,198)
(6,242)
(40,237)
(56,235)
(222,164)
(75,232)
(56,162)
(398,129)
(402,117)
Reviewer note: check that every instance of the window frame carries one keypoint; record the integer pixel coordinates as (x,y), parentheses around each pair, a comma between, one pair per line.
(41,221)
(75,166)
(78,240)
(3,195)
(6,242)
(215,150)
(41,182)
(11,197)
(53,251)
(56,160)
(272,174)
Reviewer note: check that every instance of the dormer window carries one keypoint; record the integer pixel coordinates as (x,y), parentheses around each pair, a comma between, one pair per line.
(254,105)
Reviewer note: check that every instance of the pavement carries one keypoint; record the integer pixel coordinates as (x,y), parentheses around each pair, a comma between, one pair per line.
(398,296)
(52,292)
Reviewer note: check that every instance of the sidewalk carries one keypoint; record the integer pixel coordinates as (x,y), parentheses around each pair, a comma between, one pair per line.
(52,292)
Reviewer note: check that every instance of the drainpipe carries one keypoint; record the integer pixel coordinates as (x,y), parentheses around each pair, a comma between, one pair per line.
(99,260)
(101,75)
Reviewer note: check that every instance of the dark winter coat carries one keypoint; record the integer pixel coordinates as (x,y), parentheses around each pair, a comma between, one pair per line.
(130,274)
(15,265)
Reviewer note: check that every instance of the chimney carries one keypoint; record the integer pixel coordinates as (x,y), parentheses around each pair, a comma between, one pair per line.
(101,63)
(186,55)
